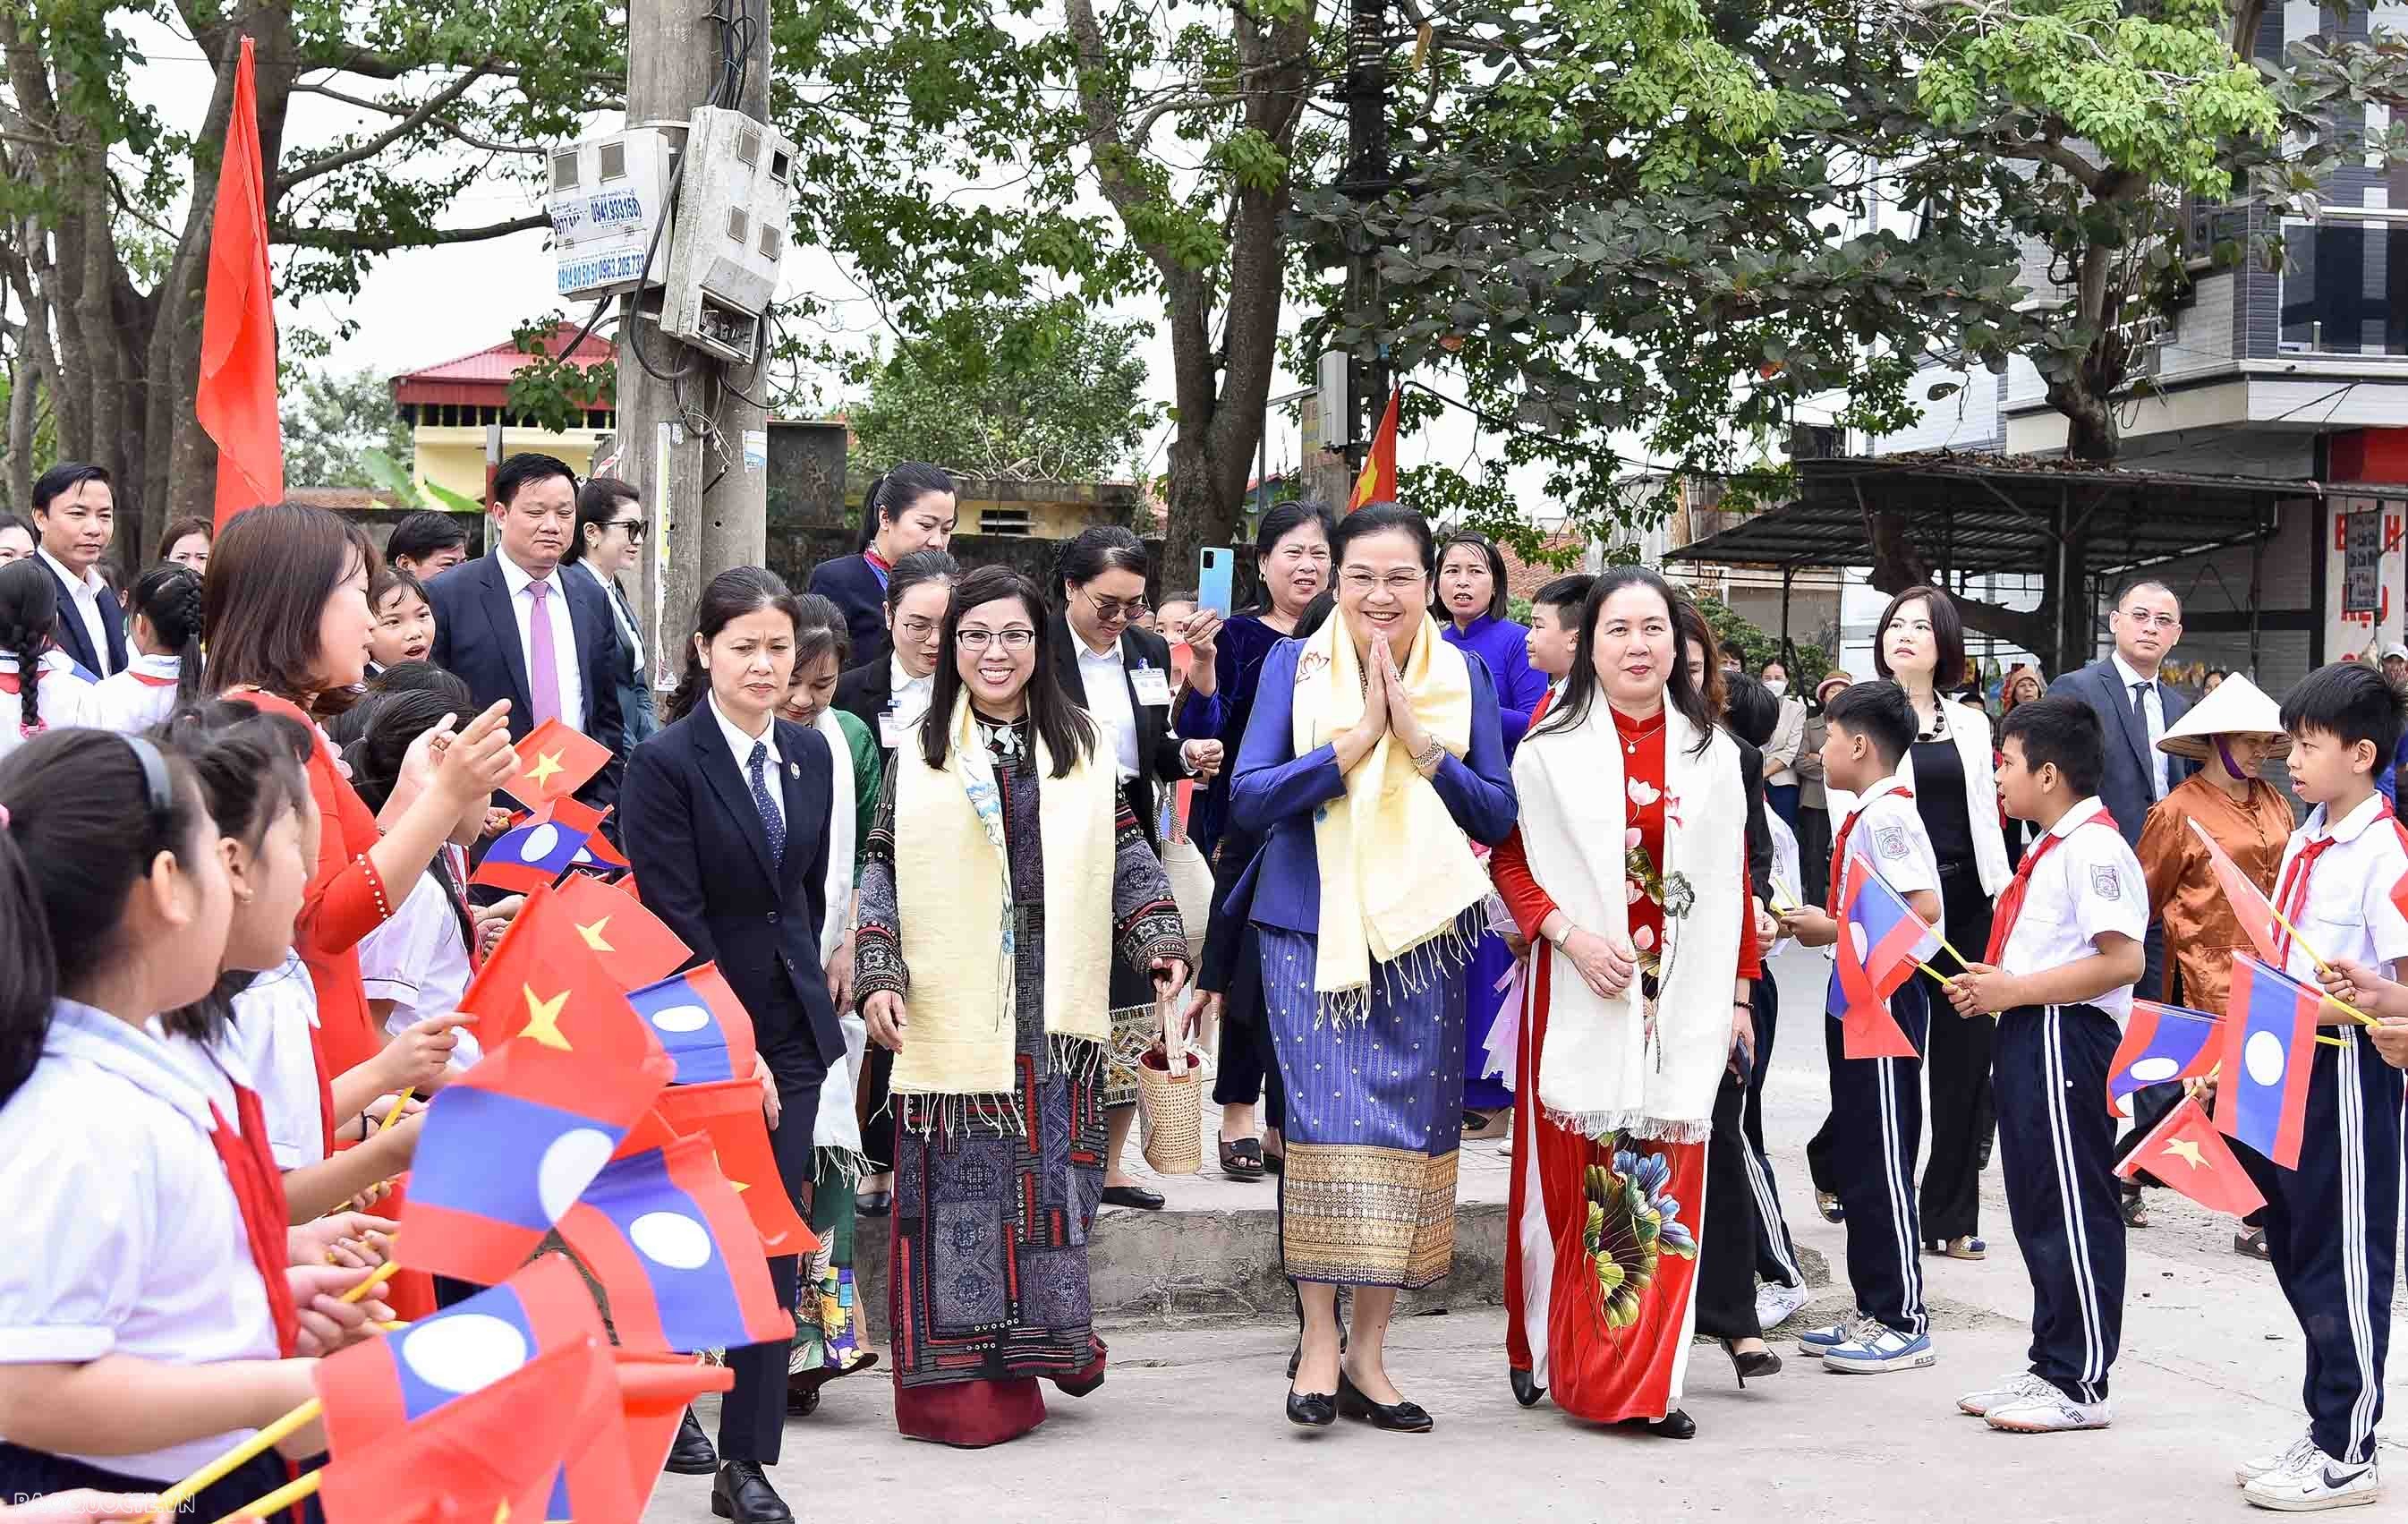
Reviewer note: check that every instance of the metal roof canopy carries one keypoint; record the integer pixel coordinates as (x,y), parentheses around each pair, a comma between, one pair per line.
(2014,516)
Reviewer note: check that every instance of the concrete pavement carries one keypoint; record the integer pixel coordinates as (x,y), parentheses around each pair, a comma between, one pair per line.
(1189,1423)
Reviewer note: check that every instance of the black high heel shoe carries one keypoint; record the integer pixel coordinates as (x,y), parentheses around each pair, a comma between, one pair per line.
(1400,1416)
(1762,1362)
(1311,1409)
(1525,1391)
(1673,1425)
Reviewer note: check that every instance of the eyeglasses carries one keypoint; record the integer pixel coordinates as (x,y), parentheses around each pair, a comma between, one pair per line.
(2153,621)
(635,528)
(1017,639)
(1360,583)
(1113,610)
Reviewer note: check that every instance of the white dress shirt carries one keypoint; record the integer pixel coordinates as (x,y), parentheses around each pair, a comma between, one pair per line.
(2089,884)
(564,663)
(906,695)
(84,592)
(1105,685)
(742,744)
(619,616)
(2153,704)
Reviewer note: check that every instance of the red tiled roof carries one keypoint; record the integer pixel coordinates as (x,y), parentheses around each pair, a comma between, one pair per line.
(483,378)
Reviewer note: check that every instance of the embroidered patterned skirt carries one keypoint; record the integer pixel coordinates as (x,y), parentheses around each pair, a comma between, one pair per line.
(1374,1120)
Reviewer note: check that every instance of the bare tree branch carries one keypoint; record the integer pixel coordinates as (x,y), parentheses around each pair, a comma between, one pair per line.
(444,124)
(425,111)
(352,239)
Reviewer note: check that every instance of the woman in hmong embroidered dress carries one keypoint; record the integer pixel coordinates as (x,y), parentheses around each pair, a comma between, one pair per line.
(1373,752)
(1628,868)
(1002,825)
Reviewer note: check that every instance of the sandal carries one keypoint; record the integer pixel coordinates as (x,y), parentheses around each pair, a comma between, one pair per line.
(2252,1245)
(1241,1158)
(1964,1246)
(2136,1211)
(1828,1203)
(1496,1124)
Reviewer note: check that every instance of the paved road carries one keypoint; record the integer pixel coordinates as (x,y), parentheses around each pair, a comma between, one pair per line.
(1188,1425)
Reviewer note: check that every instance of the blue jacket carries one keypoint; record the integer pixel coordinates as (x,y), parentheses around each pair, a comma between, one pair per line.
(1277,793)
(854,586)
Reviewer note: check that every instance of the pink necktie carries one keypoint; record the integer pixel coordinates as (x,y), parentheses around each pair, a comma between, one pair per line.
(543,668)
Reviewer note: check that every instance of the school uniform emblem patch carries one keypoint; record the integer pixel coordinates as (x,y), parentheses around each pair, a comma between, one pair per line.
(1891,842)
(2106,883)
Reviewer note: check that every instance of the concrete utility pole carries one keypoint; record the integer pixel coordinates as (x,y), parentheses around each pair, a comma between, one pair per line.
(1366,179)
(695,448)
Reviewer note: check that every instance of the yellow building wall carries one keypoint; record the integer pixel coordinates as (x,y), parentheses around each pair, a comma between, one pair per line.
(454,458)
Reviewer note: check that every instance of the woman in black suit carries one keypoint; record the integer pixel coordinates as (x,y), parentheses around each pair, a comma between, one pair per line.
(725,816)
(1120,674)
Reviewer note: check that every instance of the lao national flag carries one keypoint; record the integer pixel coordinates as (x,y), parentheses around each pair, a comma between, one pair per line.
(528,857)
(1881,941)
(700,1023)
(630,943)
(2161,1043)
(2249,903)
(2270,1031)
(555,762)
(729,1115)
(2185,1151)
(505,1148)
(676,1254)
(466,1403)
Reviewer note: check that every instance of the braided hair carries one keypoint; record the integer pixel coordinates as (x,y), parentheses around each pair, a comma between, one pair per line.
(168,596)
(29,621)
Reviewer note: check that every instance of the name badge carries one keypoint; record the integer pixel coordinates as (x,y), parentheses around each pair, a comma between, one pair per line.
(890,731)
(1152,685)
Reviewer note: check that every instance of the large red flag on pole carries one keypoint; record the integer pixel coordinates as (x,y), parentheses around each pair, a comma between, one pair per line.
(1378,482)
(236,404)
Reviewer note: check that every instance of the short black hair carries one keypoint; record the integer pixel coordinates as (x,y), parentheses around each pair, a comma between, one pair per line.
(425,533)
(1500,596)
(1948,636)
(1749,709)
(65,478)
(524,469)
(2063,731)
(2349,701)
(1379,519)
(1564,592)
(1879,712)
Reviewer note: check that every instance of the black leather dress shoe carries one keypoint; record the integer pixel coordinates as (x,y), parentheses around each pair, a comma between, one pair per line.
(1525,1391)
(1400,1416)
(741,1492)
(1311,1409)
(1673,1425)
(1135,1196)
(692,1455)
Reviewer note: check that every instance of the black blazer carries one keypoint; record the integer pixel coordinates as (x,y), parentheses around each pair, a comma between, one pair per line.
(695,839)
(477,640)
(1158,761)
(862,691)
(2125,785)
(852,584)
(76,641)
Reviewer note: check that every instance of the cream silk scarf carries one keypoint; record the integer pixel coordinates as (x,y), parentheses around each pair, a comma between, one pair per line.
(953,886)
(1603,1069)
(1396,869)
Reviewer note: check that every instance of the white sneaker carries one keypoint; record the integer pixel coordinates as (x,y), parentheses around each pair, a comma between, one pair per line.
(2285,1458)
(2051,1414)
(2006,1390)
(1873,1347)
(1777,1303)
(2315,1484)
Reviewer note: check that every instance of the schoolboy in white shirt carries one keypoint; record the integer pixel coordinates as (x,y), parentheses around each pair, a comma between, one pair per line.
(1876,1124)
(2065,947)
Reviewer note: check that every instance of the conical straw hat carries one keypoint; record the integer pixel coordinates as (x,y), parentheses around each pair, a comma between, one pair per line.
(2236,707)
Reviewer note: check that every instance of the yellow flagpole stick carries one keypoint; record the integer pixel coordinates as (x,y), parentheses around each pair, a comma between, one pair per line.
(224,1465)
(2323,966)
(282,1498)
(394,1116)
(383,1273)
(1937,975)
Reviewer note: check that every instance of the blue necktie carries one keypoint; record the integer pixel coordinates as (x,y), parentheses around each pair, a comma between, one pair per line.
(771,821)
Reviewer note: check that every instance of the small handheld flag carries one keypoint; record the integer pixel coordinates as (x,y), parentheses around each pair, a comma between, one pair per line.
(728,1114)
(653,1390)
(2261,1094)
(676,1254)
(2161,1043)
(1880,941)
(555,762)
(632,945)
(2250,906)
(700,1024)
(528,857)
(2185,1151)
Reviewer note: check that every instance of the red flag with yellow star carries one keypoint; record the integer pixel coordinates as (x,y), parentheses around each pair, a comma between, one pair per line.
(632,945)
(728,1113)
(1378,482)
(542,983)
(2185,1151)
(555,762)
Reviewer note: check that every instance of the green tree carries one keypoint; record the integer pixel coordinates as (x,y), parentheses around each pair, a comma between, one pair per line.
(1738,635)
(107,203)
(1070,409)
(330,419)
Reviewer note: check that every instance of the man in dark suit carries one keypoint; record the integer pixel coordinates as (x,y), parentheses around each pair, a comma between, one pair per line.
(727,831)
(510,626)
(2134,708)
(75,512)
